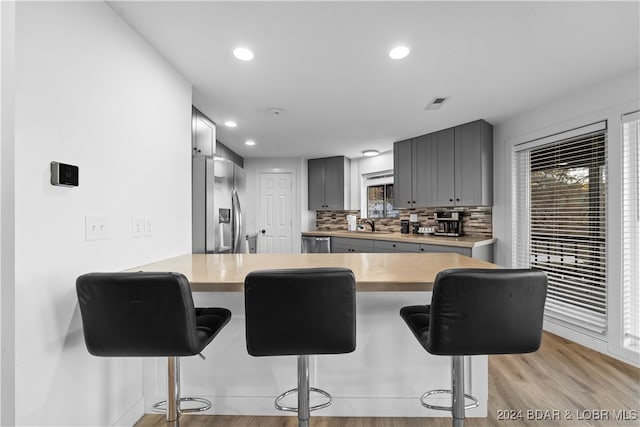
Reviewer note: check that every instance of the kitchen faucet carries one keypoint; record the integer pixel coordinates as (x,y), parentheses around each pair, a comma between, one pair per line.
(372,224)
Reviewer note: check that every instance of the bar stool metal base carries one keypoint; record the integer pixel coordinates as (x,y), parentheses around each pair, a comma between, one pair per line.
(172,406)
(206,405)
(457,393)
(303,391)
(311,408)
(446,408)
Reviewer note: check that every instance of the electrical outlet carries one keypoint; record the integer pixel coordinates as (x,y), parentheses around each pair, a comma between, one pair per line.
(148,226)
(96,228)
(137,226)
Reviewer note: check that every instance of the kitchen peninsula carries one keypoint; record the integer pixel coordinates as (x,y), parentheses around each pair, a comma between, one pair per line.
(386,374)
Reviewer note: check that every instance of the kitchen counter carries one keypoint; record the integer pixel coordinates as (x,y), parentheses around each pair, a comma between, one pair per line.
(383,377)
(386,272)
(462,242)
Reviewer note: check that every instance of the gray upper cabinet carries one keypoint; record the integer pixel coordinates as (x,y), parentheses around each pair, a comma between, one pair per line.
(328,178)
(403,179)
(422,155)
(474,164)
(451,167)
(411,185)
(203,134)
(442,168)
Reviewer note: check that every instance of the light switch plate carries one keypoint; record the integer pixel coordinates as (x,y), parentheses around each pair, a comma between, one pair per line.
(96,228)
(148,226)
(137,226)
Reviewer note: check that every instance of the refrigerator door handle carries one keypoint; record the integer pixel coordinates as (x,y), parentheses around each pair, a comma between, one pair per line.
(237,222)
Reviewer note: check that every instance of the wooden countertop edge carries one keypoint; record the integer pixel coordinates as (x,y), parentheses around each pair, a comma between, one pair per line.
(410,238)
(375,272)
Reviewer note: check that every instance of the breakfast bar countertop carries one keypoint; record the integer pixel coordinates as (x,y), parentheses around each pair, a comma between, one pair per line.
(462,242)
(380,272)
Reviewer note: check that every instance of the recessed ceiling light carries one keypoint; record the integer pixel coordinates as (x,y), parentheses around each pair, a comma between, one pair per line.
(249,142)
(230,124)
(399,52)
(243,54)
(370,153)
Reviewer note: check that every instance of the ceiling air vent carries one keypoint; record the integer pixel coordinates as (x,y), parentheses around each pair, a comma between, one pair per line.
(436,103)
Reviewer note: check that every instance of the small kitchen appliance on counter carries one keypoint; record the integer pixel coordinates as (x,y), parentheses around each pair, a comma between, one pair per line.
(449,223)
(352,222)
(404,226)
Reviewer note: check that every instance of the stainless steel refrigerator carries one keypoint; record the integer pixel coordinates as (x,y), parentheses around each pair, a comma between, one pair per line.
(217,191)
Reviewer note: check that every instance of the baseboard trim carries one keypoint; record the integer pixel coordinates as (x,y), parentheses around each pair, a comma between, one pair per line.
(341,407)
(132,415)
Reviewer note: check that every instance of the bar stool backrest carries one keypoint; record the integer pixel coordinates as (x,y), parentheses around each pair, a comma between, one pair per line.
(482,311)
(300,311)
(138,314)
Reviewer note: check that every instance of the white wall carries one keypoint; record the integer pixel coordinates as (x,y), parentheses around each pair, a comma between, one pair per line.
(90,92)
(301,218)
(605,101)
(7,217)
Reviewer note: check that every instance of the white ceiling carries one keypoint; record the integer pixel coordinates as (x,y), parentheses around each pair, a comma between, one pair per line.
(326,64)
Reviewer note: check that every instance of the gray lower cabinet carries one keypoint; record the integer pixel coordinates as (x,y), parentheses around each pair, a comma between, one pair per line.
(484,253)
(345,244)
(390,247)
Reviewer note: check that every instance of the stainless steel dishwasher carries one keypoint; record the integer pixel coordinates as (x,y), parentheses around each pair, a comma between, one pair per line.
(316,245)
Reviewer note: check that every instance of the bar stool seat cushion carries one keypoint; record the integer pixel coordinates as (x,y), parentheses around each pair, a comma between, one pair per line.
(300,311)
(481,311)
(144,314)
(417,318)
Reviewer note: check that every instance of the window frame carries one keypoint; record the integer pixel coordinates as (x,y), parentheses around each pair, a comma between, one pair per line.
(628,155)
(385,203)
(521,199)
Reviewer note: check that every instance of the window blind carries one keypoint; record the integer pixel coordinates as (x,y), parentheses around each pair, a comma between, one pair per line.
(560,222)
(631,231)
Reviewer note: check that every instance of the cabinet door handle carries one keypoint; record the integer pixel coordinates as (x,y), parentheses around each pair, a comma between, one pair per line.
(421,249)
(457,200)
(413,201)
(409,201)
(451,200)
(394,245)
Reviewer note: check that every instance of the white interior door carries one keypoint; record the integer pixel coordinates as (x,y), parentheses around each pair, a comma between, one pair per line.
(275,213)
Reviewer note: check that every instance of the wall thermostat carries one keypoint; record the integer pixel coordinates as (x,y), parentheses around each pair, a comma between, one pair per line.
(64,175)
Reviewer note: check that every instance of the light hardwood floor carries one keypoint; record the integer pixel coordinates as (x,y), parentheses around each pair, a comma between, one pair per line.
(577,382)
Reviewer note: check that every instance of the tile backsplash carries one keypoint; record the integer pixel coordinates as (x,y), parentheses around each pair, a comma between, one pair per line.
(477,221)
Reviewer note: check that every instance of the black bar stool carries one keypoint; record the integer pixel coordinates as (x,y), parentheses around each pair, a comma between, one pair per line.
(478,311)
(148,315)
(300,312)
